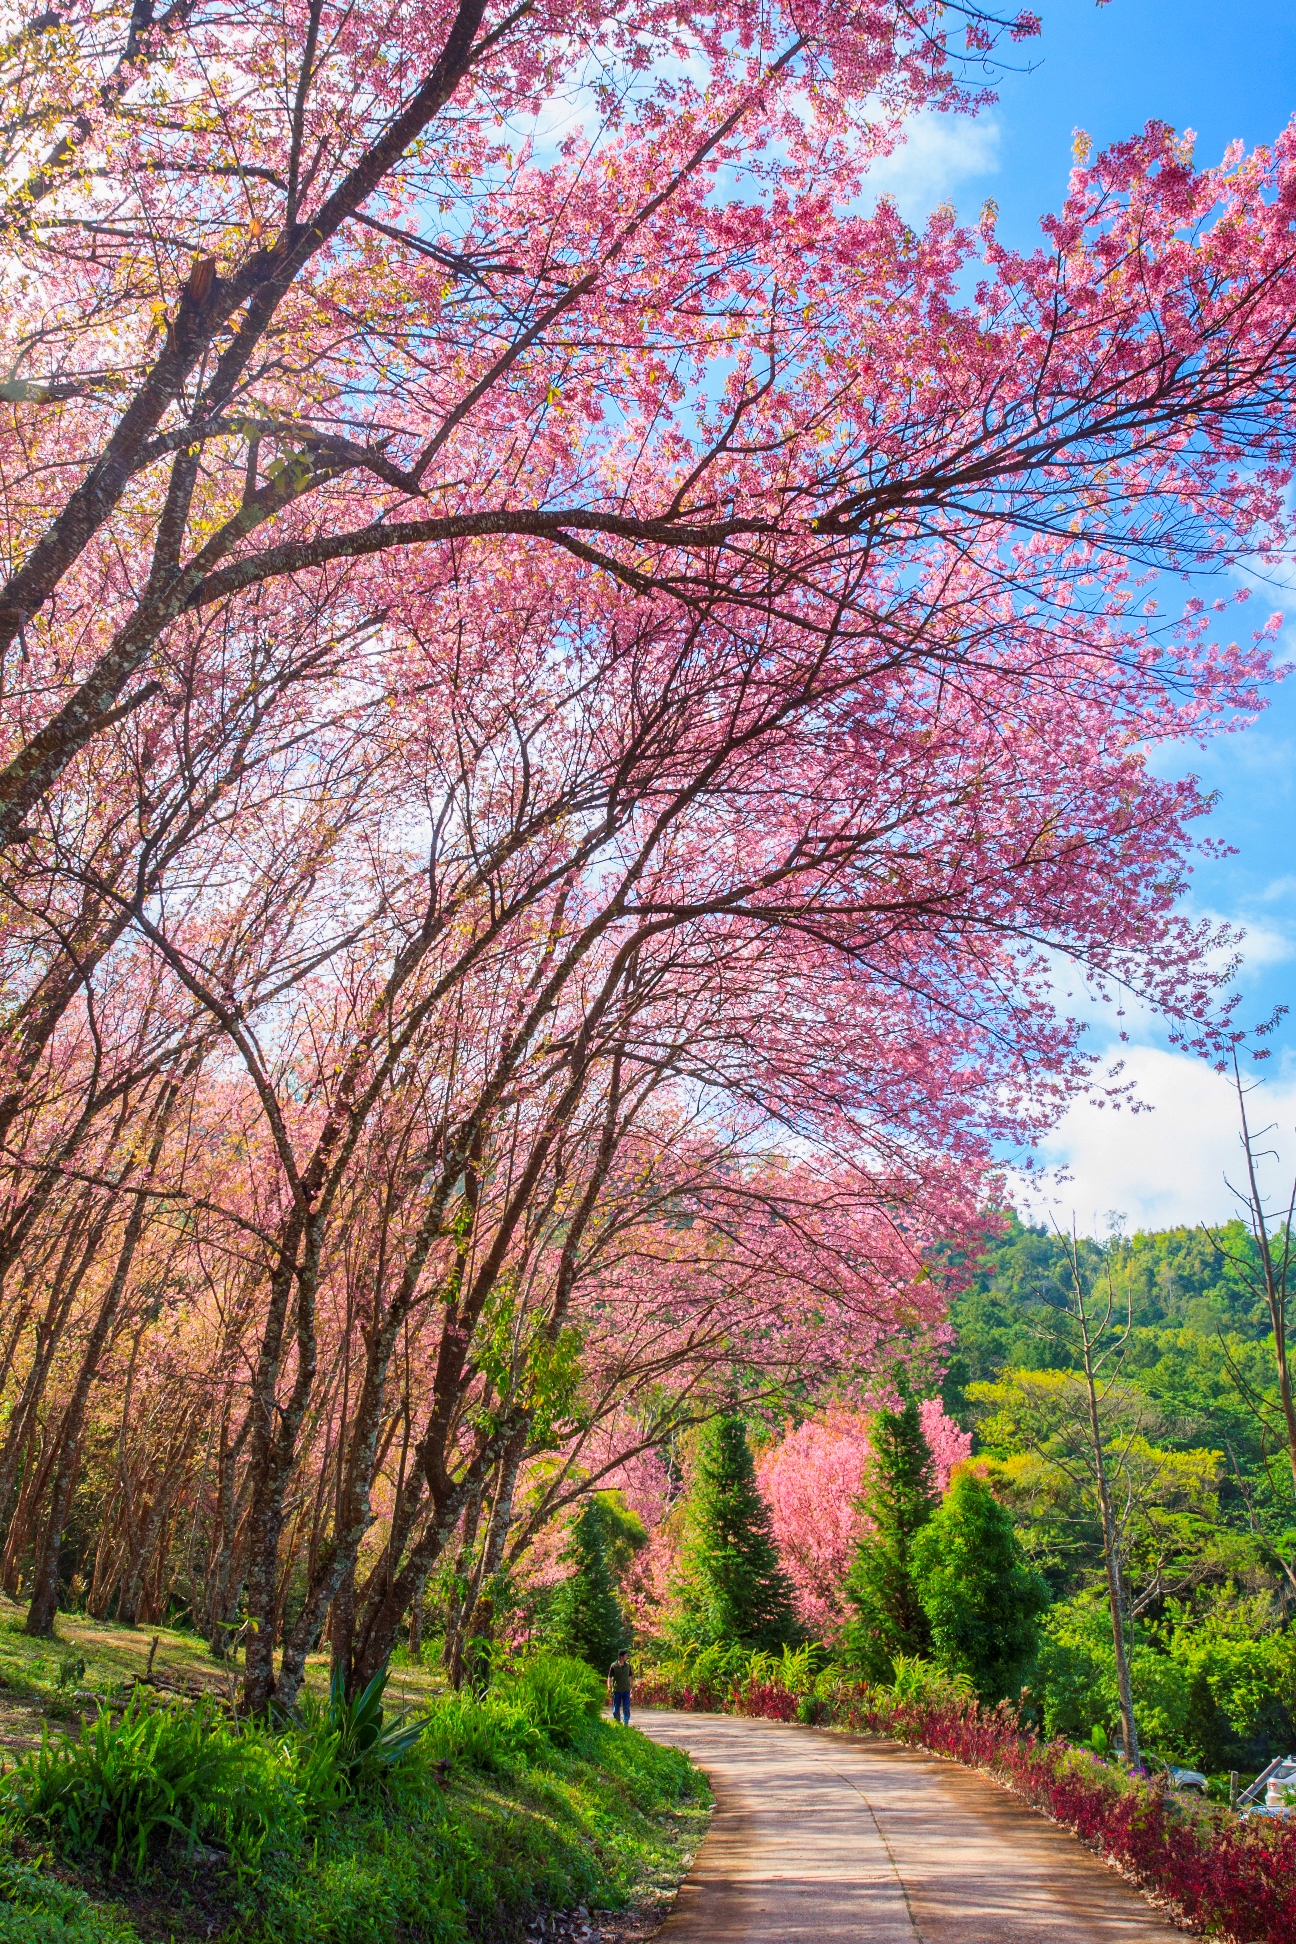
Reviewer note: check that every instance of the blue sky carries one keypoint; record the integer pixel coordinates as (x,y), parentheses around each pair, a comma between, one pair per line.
(1225,72)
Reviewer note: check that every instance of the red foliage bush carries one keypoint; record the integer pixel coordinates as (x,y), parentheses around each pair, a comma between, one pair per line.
(1225,1875)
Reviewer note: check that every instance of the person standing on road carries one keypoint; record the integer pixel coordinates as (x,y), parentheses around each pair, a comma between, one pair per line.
(619,1688)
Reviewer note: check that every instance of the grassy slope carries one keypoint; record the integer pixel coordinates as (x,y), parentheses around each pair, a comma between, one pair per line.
(37,1681)
(610,1826)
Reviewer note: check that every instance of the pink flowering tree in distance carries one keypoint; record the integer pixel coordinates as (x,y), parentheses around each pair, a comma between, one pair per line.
(812,1480)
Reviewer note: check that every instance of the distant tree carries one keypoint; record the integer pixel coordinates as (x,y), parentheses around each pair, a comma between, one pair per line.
(1165,1502)
(898,1499)
(982,1600)
(1015,1311)
(812,1481)
(585,1619)
(624,1532)
(731,1586)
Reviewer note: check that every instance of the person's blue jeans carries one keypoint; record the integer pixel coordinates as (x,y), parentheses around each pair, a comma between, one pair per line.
(621,1709)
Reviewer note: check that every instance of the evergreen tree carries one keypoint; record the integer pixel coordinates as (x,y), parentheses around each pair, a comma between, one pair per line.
(732,1587)
(899,1497)
(982,1600)
(585,1619)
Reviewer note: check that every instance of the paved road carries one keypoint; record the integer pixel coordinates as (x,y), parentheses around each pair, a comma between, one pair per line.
(832,1839)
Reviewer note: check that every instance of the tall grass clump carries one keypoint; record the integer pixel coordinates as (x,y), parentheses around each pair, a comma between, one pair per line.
(341,1747)
(484,1732)
(556,1694)
(152,1779)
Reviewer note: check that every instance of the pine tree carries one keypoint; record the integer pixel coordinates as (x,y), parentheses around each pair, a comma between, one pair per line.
(981,1597)
(899,1497)
(732,1587)
(585,1619)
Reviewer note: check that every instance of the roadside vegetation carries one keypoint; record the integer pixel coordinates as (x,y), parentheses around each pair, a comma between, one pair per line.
(161,1815)
(1192,1435)
(1118,1558)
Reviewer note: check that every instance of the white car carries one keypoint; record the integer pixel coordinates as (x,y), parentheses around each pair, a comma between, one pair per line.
(1278,1787)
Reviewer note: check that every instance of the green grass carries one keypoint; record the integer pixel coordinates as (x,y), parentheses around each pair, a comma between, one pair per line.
(611,1825)
(37,1909)
(504,1810)
(37,1681)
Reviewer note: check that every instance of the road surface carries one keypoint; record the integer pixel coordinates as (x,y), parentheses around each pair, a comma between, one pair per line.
(832,1839)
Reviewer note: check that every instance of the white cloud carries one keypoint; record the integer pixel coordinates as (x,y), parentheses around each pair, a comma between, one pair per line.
(1264,946)
(939,151)
(1168,1165)
(1261,945)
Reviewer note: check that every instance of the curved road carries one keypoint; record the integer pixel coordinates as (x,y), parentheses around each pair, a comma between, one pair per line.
(820,1838)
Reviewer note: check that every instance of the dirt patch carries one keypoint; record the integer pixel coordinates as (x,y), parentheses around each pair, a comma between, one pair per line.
(600,1926)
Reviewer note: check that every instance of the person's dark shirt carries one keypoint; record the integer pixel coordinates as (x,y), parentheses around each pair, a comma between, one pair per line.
(619,1675)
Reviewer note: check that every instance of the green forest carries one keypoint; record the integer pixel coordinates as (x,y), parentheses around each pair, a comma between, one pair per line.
(1102,1534)
(1193,1435)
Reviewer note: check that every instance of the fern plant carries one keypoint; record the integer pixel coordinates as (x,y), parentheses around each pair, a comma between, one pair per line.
(151,1779)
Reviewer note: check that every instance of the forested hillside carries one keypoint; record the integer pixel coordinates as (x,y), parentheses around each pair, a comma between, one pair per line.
(1192,1436)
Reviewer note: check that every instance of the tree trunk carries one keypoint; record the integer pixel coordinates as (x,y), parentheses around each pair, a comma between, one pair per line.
(480,1631)
(416,1626)
(1275,1274)
(67,1281)
(44,1604)
(220,1555)
(457,1615)
(128,1604)
(1112,1562)
(275,1428)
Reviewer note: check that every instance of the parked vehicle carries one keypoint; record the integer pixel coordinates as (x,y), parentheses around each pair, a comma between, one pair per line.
(1277,1785)
(1187,1781)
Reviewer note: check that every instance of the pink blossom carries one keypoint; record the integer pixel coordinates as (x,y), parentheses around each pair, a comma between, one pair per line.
(812,1481)
(949,1445)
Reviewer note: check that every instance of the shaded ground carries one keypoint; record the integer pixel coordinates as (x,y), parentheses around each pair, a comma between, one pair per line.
(833,1839)
(59,1680)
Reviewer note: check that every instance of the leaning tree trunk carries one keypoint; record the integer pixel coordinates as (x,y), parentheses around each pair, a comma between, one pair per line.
(44,1604)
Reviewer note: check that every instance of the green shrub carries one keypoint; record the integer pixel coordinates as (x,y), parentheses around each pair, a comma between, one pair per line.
(731,1585)
(921,1684)
(982,1598)
(484,1732)
(585,1620)
(1214,1684)
(899,1496)
(794,1668)
(557,1695)
(344,1746)
(154,1778)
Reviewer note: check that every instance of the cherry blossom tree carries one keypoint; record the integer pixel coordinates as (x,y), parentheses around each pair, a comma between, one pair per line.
(812,1480)
(316,299)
